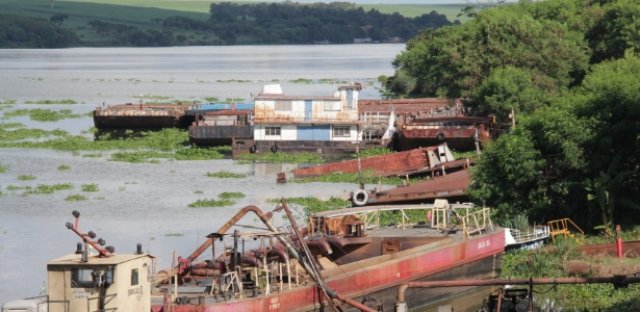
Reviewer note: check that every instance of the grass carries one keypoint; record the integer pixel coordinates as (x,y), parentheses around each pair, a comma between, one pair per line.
(11,187)
(226,175)
(76,197)
(281,157)
(91,187)
(375,151)
(3,168)
(8,102)
(26,177)
(64,168)
(39,114)
(367,177)
(173,234)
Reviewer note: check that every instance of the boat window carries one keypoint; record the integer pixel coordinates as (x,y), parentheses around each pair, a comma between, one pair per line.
(134,277)
(341,131)
(283,106)
(82,278)
(272,130)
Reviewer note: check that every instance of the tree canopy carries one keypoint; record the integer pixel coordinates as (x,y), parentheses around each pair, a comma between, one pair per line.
(569,69)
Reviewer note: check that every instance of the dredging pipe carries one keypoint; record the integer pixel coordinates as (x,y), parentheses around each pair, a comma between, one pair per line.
(618,281)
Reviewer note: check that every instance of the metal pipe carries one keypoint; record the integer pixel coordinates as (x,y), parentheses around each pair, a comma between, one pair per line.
(616,280)
(353,303)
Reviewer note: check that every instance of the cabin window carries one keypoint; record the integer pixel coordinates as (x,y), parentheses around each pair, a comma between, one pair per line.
(272,130)
(332,106)
(134,277)
(82,278)
(283,106)
(341,131)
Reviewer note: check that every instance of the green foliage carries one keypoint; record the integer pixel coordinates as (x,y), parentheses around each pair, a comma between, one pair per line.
(281,157)
(26,177)
(76,197)
(27,32)
(453,61)
(226,174)
(3,168)
(91,187)
(508,88)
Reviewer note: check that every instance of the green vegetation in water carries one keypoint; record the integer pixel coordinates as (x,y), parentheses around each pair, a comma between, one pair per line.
(233,81)
(92,155)
(367,177)
(64,168)
(12,187)
(281,157)
(13,125)
(63,101)
(211,99)
(231,195)
(226,175)
(376,151)
(3,168)
(198,192)
(8,102)
(91,187)
(302,81)
(225,199)
(76,197)
(39,114)
(49,189)
(212,203)
(26,177)
(173,234)
(313,204)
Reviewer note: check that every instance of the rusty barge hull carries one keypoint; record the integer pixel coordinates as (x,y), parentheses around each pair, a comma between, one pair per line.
(379,276)
(384,165)
(452,186)
(136,116)
(218,135)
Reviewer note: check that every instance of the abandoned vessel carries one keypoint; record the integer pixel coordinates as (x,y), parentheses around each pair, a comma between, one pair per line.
(354,258)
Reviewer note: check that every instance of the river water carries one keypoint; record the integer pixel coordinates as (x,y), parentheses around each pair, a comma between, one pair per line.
(148,203)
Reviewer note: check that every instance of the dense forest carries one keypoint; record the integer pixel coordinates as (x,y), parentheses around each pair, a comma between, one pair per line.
(229,23)
(570,71)
(26,32)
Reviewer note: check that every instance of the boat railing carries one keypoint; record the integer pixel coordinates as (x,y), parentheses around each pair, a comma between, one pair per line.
(476,222)
(537,232)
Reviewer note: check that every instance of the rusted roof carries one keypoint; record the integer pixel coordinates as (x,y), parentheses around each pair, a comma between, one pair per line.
(401,106)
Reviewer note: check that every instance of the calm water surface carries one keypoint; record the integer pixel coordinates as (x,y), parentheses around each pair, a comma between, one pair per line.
(147,203)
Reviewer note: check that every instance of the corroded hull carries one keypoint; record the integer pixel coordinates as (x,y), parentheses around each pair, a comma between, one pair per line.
(380,276)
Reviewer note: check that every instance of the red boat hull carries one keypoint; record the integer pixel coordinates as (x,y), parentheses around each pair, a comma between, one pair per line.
(370,276)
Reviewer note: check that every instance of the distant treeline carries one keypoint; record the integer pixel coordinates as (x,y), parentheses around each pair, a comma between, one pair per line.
(28,32)
(229,23)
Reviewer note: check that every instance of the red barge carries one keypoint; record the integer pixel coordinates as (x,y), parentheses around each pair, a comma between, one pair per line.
(354,258)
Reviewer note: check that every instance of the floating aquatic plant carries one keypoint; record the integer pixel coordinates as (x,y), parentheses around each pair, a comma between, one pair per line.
(226,174)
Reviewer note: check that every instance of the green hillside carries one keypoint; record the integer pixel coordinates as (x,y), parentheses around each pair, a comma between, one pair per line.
(64,23)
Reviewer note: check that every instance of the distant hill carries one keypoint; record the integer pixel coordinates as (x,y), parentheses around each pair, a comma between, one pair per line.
(188,22)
